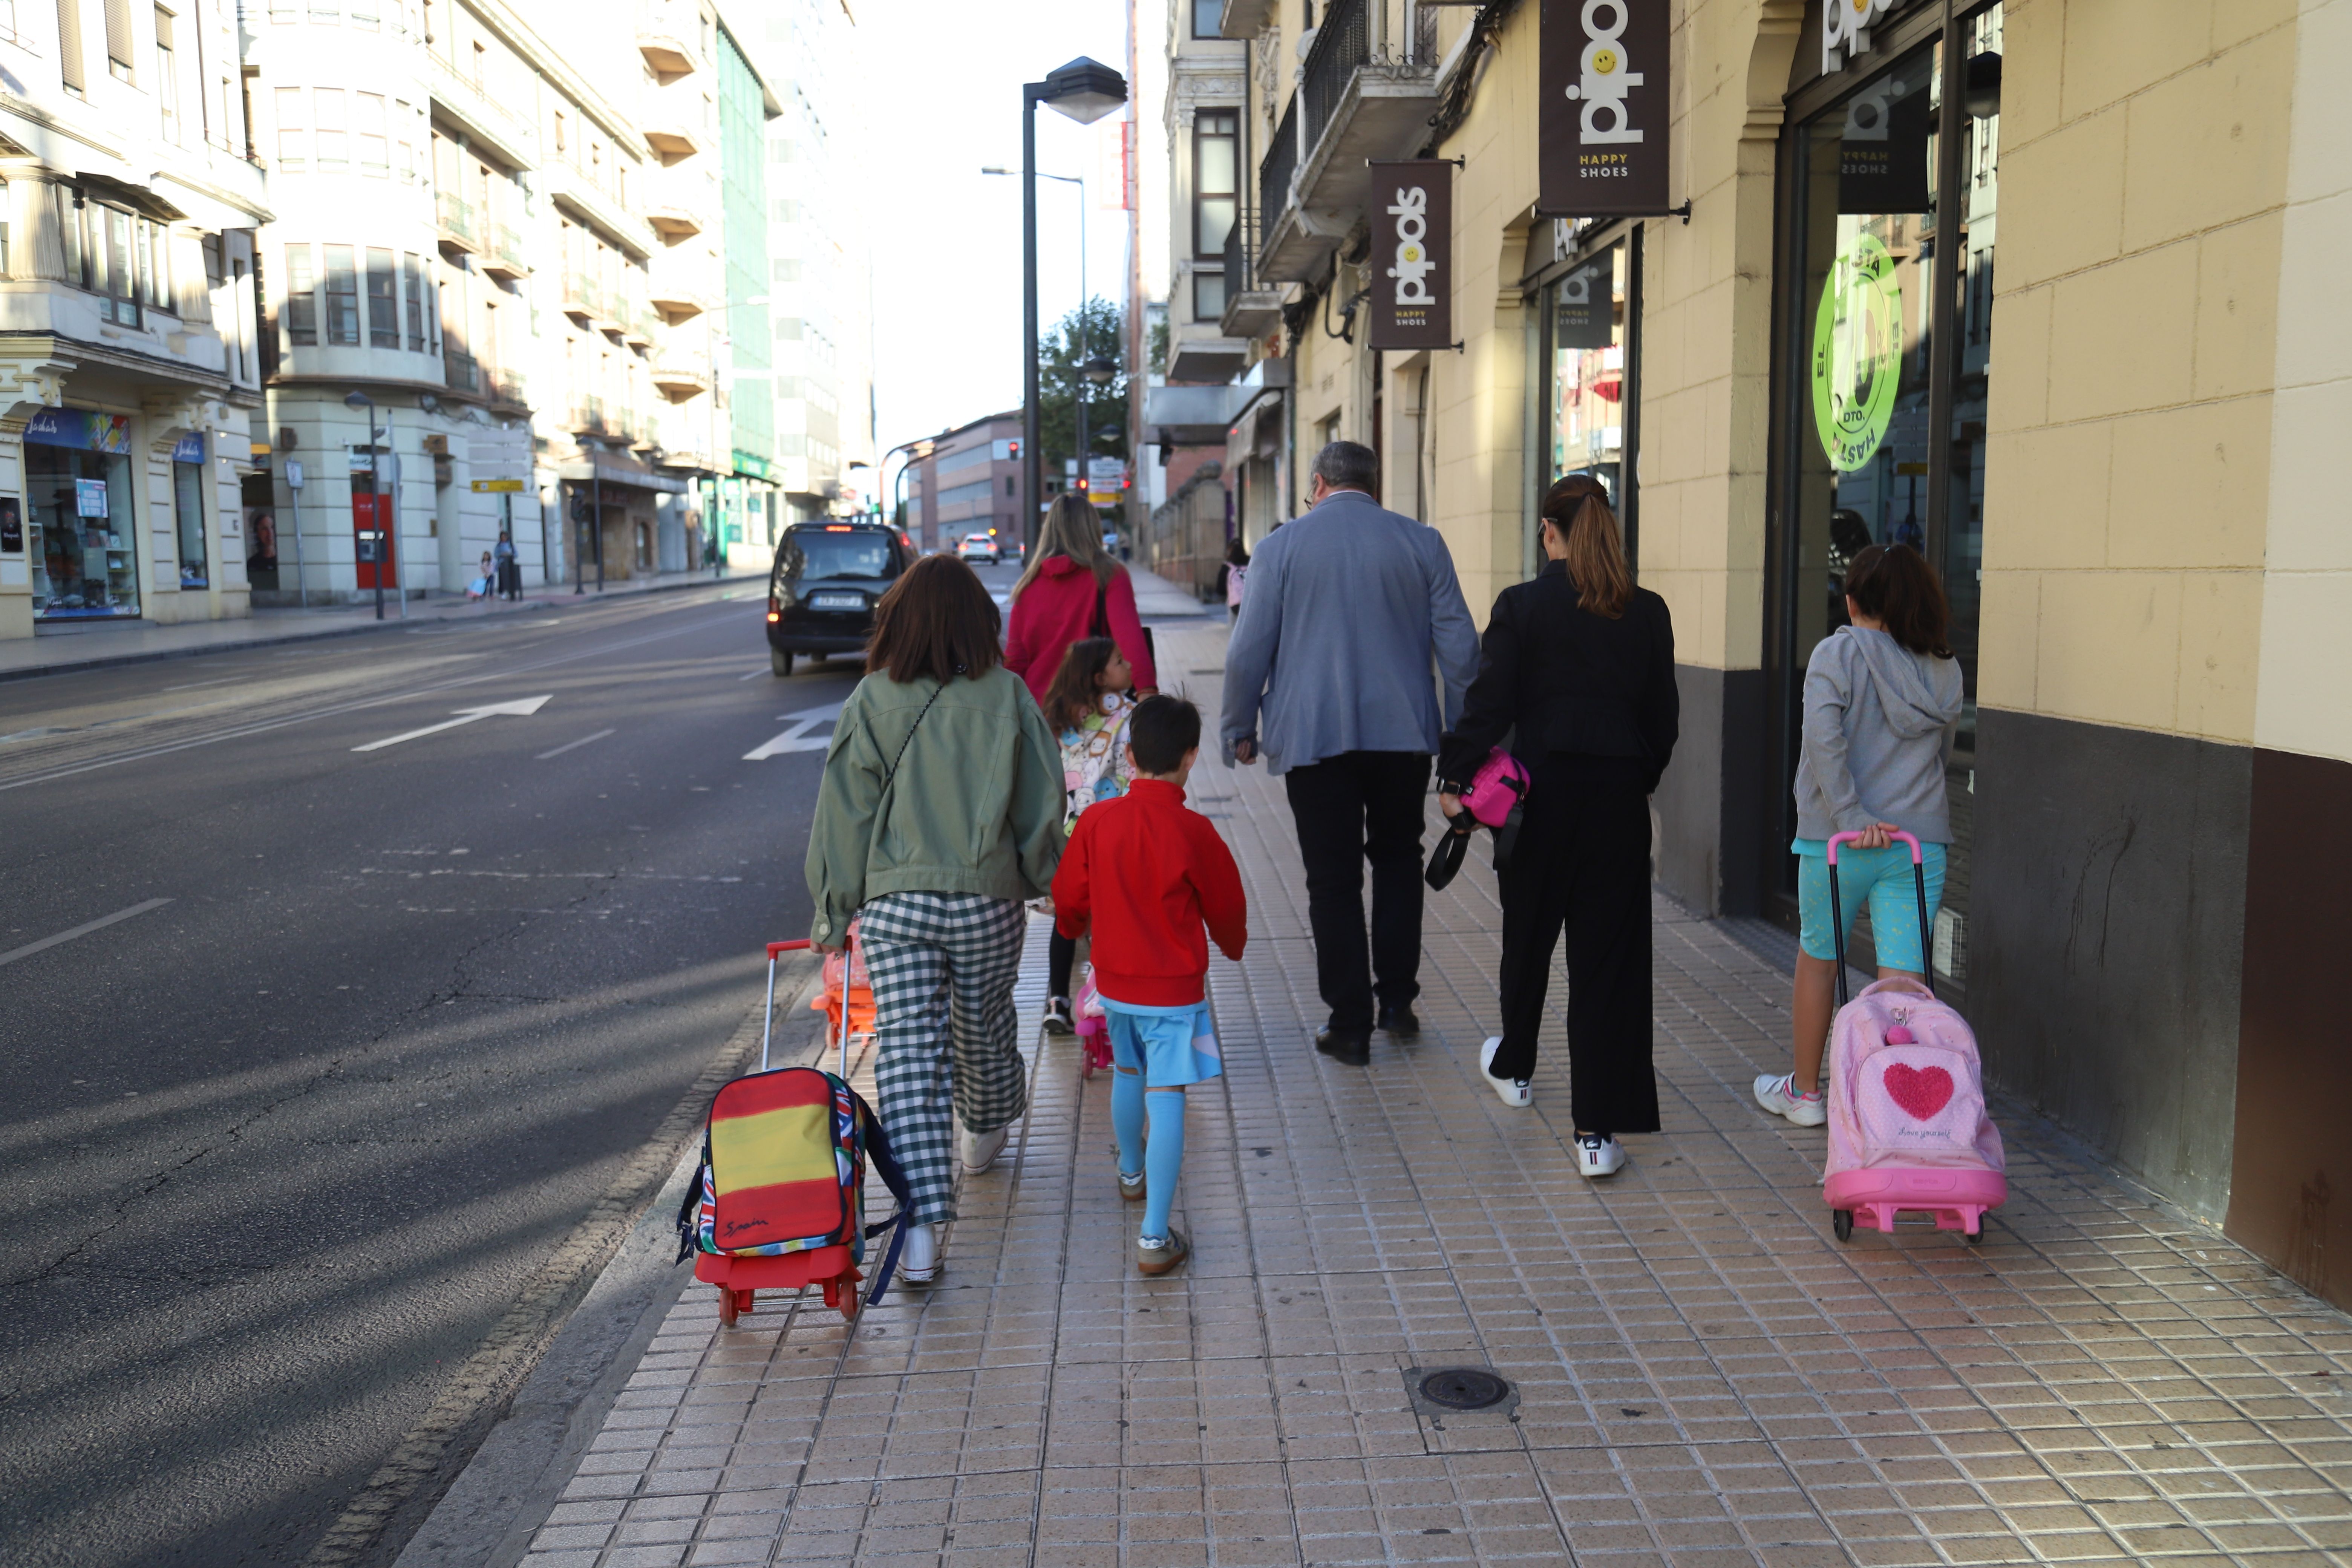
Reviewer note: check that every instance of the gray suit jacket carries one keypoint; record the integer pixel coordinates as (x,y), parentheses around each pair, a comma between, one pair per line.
(1350,609)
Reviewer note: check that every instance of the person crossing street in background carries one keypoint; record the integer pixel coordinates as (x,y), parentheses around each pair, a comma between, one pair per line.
(1349,608)
(1145,874)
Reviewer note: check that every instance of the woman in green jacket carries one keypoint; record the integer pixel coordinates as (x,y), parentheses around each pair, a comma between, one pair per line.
(941,813)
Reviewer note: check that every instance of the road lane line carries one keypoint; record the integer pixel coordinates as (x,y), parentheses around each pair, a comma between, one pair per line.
(101,924)
(571,745)
(521,708)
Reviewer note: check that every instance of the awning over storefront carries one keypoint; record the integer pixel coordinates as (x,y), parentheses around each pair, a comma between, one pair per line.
(1193,415)
(1256,429)
(614,471)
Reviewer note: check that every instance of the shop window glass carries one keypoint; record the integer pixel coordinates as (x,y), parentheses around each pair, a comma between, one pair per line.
(343,297)
(1859,370)
(82,535)
(188,507)
(383,301)
(1586,319)
(302,300)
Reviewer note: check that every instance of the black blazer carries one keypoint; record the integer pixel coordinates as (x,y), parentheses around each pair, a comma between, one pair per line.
(1568,680)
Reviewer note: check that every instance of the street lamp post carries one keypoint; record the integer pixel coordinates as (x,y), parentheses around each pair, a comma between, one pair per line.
(1085,90)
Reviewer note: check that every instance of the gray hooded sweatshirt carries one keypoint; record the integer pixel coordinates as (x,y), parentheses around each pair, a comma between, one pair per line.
(1878,725)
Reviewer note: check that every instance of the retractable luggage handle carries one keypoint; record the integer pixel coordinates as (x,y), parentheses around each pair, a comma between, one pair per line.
(1837,915)
(768,1028)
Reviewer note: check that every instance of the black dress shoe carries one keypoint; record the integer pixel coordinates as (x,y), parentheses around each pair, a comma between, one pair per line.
(1399,1021)
(1352,1046)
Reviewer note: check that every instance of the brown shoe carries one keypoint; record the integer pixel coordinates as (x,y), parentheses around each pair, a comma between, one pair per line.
(1173,1249)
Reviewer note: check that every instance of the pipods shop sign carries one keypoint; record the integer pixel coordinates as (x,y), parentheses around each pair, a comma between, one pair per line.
(1412,260)
(1602,130)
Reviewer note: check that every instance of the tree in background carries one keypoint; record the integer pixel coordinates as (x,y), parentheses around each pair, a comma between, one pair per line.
(1094,330)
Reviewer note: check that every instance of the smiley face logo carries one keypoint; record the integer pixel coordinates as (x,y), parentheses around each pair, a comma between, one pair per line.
(1604,61)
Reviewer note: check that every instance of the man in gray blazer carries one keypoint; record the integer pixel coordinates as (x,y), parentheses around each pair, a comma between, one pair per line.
(1352,621)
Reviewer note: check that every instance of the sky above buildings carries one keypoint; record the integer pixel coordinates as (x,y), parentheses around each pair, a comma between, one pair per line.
(947,238)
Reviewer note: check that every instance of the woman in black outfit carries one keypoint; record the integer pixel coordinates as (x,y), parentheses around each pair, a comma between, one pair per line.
(1578,665)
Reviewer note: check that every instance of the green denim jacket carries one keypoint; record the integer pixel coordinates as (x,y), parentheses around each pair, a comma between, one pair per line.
(976,806)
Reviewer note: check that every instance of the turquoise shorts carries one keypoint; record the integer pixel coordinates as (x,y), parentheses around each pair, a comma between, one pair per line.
(1172,1046)
(1881,875)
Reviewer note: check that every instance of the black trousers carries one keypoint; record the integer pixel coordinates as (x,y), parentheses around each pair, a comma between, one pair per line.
(1354,807)
(1583,864)
(1061,957)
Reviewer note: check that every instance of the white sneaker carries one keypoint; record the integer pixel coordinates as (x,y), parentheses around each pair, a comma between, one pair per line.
(1599,1156)
(980,1149)
(1778,1095)
(1511,1092)
(918,1261)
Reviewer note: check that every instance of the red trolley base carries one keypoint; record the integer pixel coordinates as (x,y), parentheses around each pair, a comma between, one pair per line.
(739,1279)
(1956,1200)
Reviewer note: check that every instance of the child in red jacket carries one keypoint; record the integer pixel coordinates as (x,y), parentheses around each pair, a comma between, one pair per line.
(1146,874)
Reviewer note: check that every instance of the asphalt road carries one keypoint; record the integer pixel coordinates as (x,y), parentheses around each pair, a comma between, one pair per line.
(275,1155)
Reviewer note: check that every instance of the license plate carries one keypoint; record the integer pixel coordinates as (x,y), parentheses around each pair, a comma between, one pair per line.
(837,601)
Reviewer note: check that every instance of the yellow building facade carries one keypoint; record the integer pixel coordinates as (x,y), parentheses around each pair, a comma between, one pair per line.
(2137,519)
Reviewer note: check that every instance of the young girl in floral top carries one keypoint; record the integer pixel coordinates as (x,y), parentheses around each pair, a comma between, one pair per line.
(1087,708)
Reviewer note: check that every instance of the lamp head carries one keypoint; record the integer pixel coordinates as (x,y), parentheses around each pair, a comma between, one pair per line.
(427,401)
(1084,90)
(358,400)
(1099,369)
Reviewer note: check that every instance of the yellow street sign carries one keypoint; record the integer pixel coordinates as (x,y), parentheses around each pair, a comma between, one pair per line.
(498,486)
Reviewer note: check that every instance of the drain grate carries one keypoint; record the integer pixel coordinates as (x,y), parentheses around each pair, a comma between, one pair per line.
(1463,1388)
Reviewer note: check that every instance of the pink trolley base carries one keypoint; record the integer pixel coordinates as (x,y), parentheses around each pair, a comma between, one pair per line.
(1956,1200)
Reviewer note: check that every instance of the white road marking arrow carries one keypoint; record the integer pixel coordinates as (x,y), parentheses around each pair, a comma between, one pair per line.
(521,707)
(797,738)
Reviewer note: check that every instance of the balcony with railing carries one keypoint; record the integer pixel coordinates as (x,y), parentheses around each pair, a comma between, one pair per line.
(455,215)
(501,253)
(583,297)
(510,137)
(665,30)
(680,378)
(506,388)
(1253,306)
(588,416)
(1365,93)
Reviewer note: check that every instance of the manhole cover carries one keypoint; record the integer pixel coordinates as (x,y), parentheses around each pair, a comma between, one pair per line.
(1463,1388)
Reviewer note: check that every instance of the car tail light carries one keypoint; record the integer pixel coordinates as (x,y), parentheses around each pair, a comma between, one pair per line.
(775,611)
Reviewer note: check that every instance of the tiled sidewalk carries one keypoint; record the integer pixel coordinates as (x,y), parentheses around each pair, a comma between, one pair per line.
(1705,1375)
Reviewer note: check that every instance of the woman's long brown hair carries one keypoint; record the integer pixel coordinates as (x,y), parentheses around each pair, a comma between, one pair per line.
(936,620)
(1893,585)
(1595,557)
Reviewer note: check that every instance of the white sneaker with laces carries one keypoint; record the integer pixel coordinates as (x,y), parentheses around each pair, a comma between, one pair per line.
(980,1149)
(1597,1156)
(1511,1092)
(918,1260)
(1778,1094)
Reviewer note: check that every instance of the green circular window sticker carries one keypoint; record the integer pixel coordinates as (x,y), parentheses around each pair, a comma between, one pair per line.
(1857,352)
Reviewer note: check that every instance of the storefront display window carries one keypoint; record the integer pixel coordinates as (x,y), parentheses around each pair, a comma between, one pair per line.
(1585,317)
(1865,384)
(77,500)
(188,510)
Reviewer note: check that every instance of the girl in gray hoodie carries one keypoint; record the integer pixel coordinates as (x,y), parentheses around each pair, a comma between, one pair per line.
(1882,697)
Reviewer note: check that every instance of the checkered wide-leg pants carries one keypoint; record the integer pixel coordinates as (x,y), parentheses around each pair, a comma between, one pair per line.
(943,966)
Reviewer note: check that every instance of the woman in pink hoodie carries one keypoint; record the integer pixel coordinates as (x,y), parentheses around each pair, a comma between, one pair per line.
(1073,591)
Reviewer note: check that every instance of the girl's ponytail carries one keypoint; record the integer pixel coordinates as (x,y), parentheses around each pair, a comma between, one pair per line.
(1595,555)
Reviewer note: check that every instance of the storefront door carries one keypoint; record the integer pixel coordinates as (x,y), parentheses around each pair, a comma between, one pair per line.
(79,507)
(1590,422)
(1865,384)
(188,510)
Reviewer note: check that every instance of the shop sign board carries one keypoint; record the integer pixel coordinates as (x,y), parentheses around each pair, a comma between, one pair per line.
(497,487)
(1603,68)
(189,448)
(79,428)
(1412,255)
(1584,314)
(12,527)
(1845,29)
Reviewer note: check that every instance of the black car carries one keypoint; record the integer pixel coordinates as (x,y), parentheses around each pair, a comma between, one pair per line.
(822,588)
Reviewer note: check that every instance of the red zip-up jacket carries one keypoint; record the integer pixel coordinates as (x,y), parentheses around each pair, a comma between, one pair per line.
(1057,608)
(1147,873)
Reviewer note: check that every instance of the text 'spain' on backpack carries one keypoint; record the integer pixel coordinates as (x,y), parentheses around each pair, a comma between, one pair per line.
(783,1168)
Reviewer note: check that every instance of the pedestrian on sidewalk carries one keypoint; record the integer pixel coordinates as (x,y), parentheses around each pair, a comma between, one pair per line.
(509,569)
(1144,875)
(1071,590)
(1087,708)
(1233,576)
(1883,699)
(1578,665)
(939,812)
(479,588)
(1348,609)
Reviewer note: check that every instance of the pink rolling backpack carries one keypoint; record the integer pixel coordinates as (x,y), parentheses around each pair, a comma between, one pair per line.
(1907,1125)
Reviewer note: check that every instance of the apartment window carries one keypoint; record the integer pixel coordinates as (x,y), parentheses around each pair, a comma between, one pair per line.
(328,107)
(562,133)
(69,46)
(167,75)
(342,298)
(481,69)
(1208,296)
(116,254)
(383,301)
(786,271)
(290,120)
(406,148)
(375,156)
(301,310)
(1207,17)
(120,60)
(1216,136)
(412,269)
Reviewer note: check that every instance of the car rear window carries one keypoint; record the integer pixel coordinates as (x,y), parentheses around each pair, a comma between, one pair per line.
(858,554)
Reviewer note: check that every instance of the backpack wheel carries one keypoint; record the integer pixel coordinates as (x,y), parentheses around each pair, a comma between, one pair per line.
(1975,1237)
(849,1301)
(1841,1222)
(727,1309)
